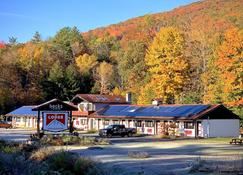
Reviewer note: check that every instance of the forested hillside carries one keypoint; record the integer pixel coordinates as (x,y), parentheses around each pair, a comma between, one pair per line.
(192,54)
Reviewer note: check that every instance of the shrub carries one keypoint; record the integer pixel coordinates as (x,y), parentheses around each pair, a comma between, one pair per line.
(138,154)
(83,165)
(62,161)
(42,154)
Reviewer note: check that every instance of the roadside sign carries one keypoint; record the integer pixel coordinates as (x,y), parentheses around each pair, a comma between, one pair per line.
(56,116)
(55,121)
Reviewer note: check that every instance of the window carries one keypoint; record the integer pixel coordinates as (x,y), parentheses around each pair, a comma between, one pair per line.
(18,119)
(115,122)
(83,121)
(85,106)
(106,122)
(188,125)
(149,124)
(138,123)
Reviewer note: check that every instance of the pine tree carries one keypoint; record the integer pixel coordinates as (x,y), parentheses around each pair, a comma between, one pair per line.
(36,38)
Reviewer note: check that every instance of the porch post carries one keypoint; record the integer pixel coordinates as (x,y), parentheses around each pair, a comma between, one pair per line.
(38,124)
(196,128)
(70,122)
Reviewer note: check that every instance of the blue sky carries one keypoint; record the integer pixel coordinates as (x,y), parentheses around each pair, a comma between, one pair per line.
(21,18)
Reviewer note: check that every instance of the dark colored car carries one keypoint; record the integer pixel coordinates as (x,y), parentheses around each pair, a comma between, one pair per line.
(4,124)
(117,130)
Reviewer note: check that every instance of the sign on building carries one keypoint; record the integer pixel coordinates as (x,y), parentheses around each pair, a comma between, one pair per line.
(55,121)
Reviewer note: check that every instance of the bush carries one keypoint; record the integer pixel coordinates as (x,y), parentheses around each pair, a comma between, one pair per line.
(46,161)
(72,140)
(138,155)
(42,154)
(62,161)
(84,165)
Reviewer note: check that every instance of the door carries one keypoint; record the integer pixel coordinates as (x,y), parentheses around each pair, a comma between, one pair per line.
(199,129)
(91,123)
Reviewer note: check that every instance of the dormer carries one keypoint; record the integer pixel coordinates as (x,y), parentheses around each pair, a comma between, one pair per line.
(86,106)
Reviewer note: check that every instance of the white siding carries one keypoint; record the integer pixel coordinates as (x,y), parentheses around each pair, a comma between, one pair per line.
(221,128)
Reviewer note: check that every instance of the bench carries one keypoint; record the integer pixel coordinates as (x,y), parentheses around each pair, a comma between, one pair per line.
(236,141)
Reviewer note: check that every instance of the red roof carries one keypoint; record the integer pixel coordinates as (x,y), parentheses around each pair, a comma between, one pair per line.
(98,98)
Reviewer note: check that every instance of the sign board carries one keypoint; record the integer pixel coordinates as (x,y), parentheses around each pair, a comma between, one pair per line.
(55,121)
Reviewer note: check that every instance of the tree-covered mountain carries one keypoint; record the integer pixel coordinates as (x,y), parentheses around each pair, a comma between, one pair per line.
(192,54)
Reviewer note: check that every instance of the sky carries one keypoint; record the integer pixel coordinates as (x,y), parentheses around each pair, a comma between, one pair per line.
(22,18)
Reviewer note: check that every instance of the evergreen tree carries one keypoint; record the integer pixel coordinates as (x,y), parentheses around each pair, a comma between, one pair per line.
(36,38)
(71,82)
(55,84)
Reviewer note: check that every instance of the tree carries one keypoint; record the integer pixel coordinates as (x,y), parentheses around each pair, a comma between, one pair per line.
(36,38)
(31,56)
(68,43)
(147,94)
(224,76)
(12,40)
(72,84)
(132,68)
(55,85)
(85,63)
(230,66)
(167,64)
(105,77)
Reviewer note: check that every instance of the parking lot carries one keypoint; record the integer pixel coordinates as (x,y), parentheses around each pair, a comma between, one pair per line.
(165,156)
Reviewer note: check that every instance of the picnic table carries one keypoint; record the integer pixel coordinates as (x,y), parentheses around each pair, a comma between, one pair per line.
(236,141)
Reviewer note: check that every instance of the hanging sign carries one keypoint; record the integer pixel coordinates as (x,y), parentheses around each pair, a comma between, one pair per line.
(55,121)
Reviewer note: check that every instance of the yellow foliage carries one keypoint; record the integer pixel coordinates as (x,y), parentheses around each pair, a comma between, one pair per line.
(167,64)
(30,55)
(230,65)
(146,94)
(105,73)
(117,91)
(86,62)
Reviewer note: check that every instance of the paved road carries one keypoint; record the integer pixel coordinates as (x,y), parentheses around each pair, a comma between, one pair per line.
(21,135)
(18,135)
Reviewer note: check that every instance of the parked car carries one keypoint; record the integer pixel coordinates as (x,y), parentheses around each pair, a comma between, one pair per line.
(4,124)
(117,130)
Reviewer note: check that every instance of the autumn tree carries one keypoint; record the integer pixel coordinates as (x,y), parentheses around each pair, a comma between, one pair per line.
(85,63)
(230,65)
(224,76)
(105,75)
(167,65)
